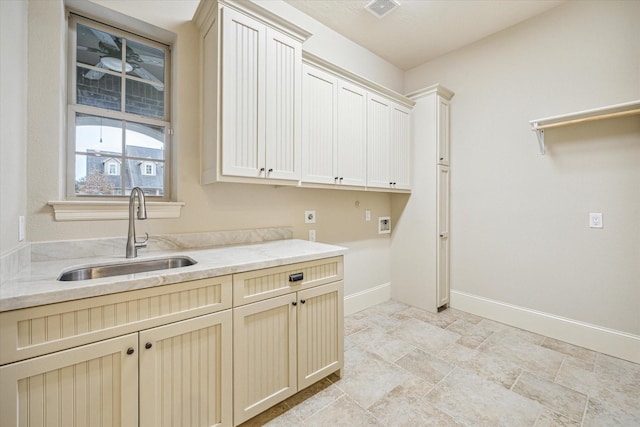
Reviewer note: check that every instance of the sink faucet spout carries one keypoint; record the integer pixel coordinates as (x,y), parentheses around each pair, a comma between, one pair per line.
(132,243)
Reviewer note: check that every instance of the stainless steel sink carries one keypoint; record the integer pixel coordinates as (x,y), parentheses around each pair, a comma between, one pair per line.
(108,270)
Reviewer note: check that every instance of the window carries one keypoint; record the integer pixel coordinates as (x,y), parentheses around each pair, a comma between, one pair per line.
(148,168)
(118,112)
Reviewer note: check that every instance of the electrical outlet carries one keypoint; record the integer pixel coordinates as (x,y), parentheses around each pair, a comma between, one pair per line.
(367,215)
(312,235)
(309,217)
(595,220)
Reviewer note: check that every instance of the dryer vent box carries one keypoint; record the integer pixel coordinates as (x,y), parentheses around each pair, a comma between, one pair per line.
(384,225)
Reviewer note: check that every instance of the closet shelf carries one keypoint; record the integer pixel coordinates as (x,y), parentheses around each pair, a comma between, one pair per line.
(609,112)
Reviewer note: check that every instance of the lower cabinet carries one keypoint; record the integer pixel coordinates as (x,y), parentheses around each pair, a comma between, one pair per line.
(177,355)
(91,385)
(175,375)
(284,344)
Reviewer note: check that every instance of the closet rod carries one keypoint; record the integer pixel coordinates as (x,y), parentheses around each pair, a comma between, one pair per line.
(589,119)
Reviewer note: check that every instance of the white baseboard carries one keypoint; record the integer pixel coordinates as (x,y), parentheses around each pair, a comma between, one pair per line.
(609,341)
(367,298)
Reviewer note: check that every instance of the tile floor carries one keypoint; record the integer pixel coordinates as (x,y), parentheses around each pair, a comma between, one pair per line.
(408,367)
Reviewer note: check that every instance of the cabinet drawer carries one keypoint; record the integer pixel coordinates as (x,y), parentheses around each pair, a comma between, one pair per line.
(257,285)
(40,330)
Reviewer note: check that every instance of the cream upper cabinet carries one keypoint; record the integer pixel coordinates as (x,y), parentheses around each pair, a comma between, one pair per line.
(400,150)
(319,126)
(334,130)
(378,143)
(261,93)
(252,94)
(352,135)
(443,132)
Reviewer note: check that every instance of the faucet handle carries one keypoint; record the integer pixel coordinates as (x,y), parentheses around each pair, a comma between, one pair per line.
(142,244)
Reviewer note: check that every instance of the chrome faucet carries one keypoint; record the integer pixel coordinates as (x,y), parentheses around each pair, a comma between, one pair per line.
(132,244)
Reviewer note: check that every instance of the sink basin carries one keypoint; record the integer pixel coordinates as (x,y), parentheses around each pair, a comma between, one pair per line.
(108,270)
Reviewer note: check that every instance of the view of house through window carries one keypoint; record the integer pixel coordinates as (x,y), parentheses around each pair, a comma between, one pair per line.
(118,109)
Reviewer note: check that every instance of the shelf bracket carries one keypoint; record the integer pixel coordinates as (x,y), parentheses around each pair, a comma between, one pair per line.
(540,135)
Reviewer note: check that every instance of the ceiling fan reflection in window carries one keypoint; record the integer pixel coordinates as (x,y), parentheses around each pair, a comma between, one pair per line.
(109,48)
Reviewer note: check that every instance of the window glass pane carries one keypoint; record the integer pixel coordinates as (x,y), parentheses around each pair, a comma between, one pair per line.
(144,141)
(147,61)
(98,48)
(98,135)
(98,89)
(97,175)
(144,99)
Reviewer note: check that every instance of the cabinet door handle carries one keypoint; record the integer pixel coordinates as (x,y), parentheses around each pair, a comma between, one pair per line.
(296,277)
(148,345)
(302,301)
(294,303)
(130,351)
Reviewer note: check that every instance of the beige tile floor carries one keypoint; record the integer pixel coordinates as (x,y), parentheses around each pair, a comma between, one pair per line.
(408,367)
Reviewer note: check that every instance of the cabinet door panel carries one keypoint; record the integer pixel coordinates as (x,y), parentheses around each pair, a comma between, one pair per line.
(352,135)
(378,121)
(401,148)
(442,226)
(185,375)
(264,348)
(92,385)
(243,82)
(283,101)
(320,333)
(319,117)
(443,132)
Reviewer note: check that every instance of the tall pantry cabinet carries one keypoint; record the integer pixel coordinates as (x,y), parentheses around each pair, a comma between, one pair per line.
(420,249)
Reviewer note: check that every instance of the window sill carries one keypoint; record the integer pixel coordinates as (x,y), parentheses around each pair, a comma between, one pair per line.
(92,210)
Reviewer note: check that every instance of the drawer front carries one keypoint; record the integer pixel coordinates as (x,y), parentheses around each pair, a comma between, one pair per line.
(258,285)
(40,330)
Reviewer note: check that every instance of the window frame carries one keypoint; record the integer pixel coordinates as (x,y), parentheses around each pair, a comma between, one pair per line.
(73,18)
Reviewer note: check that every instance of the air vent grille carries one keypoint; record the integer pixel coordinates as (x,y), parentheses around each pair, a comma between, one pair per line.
(381,8)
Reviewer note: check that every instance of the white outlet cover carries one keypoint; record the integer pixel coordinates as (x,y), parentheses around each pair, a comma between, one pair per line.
(312,235)
(309,217)
(595,220)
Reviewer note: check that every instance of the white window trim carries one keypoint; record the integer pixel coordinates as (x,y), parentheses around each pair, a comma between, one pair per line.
(137,31)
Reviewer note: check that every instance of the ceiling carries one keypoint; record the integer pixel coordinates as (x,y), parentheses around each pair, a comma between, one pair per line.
(420,30)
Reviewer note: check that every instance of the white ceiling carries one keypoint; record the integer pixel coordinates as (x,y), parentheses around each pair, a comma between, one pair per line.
(420,30)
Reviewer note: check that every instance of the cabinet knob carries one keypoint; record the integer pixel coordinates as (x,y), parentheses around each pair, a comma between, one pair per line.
(302,301)
(148,345)
(341,178)
(270,170)
(130,351)
(261,169)
(294,303)
(336,178)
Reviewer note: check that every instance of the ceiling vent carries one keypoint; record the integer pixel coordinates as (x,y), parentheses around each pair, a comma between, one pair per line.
(381,8)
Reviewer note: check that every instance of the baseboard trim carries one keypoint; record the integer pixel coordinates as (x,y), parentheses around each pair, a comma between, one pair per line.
(367,298)
(604,340)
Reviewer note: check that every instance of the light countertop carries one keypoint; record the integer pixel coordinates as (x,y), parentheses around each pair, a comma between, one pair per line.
(37,284)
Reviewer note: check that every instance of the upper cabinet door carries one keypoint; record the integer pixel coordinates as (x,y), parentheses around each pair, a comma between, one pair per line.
(443,132)
(352,135)
(378,144)
(400,156)
(243,99)
(283,102)
(319,118)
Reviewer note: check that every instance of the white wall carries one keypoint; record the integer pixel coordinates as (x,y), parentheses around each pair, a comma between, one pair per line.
(519,221)
(13,120)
